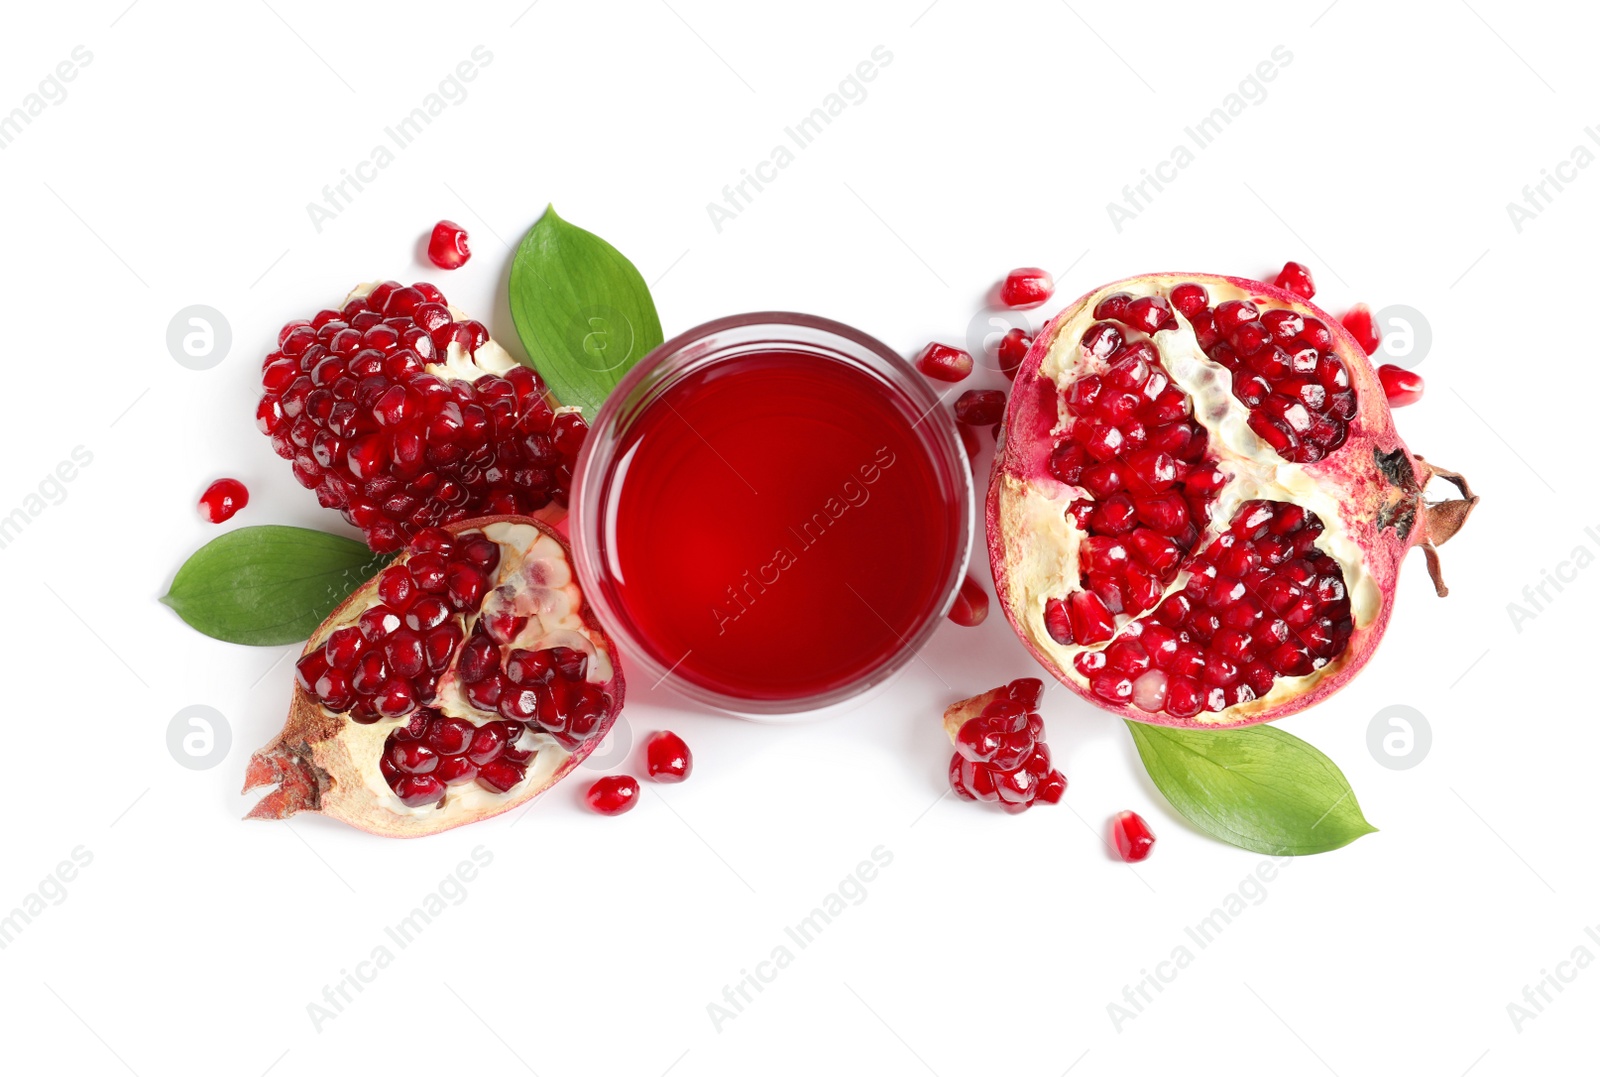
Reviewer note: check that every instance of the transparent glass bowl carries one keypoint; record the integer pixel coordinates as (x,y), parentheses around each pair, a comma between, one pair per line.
(726,340)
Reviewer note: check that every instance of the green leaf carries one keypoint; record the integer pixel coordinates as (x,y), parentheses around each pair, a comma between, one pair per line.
(1258,787)
(582,311)
(268,585)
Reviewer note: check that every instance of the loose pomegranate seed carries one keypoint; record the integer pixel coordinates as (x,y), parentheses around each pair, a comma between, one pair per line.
(1026,287)
(667,758)
(1296,278)
(1361,325)
(447,247)
(944,363)
(981,407)
(1400,386)
(1131,835)
(222,499)
(1001,757)
(612,795)
(972,604)
(1013,346)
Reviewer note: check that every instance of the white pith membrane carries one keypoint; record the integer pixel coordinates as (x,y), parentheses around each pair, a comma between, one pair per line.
(459,364)
(1042,540)
(542,588)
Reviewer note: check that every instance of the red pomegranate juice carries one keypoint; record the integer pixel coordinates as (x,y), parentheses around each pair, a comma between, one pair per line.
(776,526)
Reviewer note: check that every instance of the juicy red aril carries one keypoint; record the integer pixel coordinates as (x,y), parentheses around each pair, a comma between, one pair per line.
(1400,386)
(944,363)
(971,604)
(1282,365)
(388,662)
(1026,287)
(447,245)
(1130,441)
(612,795)
(1190,299)
(1261,602)
(1131,835)
(396,448)
(222,499)
(1013,347)
(1296,278)
(667,757)
(981,407)
(451,751)
(1360,323)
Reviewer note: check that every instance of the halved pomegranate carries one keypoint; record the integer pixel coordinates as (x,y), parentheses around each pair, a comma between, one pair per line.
(402,413)
(464,679)
(1200,505)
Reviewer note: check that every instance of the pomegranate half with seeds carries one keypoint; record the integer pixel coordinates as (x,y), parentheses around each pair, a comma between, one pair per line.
(1200,506)
(464,679)
(402,413)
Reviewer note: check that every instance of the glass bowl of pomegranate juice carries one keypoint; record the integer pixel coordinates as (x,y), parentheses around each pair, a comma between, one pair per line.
(772,513)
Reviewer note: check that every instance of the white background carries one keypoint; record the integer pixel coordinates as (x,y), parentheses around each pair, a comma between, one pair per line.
(177,171)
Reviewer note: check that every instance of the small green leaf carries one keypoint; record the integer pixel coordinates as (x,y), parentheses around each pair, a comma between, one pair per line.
(268,585)
(1258,788)
(582,311)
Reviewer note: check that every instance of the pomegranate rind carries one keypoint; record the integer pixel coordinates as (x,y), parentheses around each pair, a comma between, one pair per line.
(323,762)
(1368,491)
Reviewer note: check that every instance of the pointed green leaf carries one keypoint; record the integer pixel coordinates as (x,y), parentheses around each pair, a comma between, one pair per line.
(1258,788)
(268,585)
(582,311)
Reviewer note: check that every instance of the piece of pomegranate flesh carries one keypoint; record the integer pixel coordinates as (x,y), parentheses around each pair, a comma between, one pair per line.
(1200,505)
(463,680)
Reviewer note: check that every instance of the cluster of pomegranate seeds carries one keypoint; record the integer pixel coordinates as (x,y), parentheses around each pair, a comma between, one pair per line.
(1131,834)
(981,407)
(1027,287)
(396,448)
(447,246)
(944,363)
(1296,278)
(1363,327)
(667,758)
(1013,346)
(1261,602)
(612,795)
(1133,443)
(388,663)
(1284,367)
(547,688)
(1400,386)
(1001,757)
(972,604)
(433,751)
(222,499)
